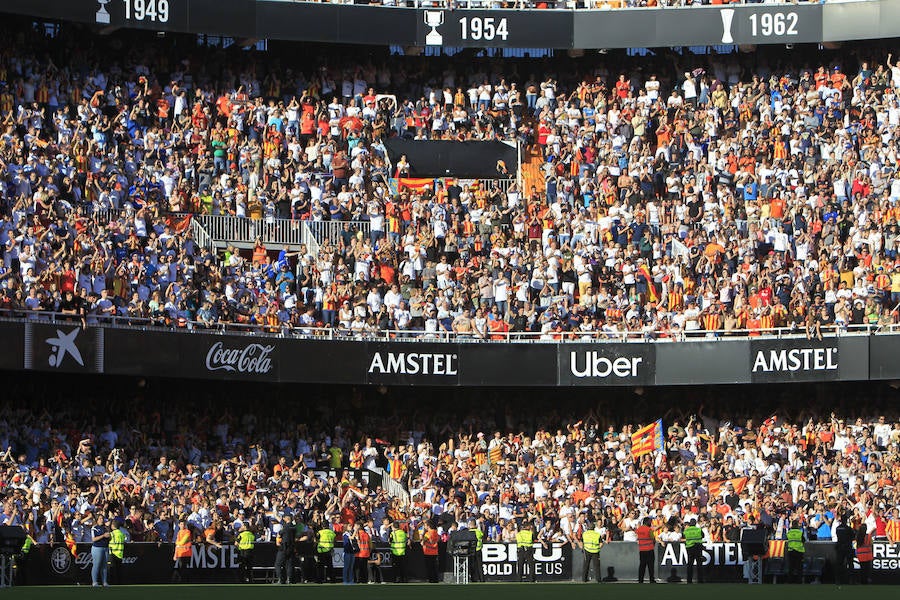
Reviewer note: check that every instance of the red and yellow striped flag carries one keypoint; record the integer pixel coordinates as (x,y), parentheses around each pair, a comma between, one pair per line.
(776,549)
(647,439)
(651,288)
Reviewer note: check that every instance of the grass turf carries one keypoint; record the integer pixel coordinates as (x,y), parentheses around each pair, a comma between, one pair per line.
(488,591)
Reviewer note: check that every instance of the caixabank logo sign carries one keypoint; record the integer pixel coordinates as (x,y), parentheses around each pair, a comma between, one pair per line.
(64,346)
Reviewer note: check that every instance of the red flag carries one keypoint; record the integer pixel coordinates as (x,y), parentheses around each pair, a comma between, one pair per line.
(179,224)
(739,483)
(382,442)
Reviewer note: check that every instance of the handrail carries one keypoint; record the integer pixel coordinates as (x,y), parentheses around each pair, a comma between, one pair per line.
(393,487)
(339,334)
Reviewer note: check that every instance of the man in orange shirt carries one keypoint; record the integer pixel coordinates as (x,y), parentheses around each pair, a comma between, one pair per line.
(430,550)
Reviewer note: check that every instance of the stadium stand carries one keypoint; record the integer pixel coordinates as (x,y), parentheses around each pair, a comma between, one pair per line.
(726,195)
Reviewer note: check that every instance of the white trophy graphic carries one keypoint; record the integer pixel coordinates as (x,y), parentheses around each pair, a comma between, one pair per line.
(727,18)
(434,19)
(102,15)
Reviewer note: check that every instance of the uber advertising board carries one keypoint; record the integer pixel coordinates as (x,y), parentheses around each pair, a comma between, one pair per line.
(606,364)
(499,562)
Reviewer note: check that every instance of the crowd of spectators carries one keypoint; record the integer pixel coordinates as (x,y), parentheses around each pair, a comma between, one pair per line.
(681,193)
(151,462)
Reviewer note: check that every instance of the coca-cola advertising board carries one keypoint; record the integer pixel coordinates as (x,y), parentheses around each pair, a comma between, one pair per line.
(193,354)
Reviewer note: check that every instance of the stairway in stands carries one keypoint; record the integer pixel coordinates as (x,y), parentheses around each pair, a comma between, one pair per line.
(532,174)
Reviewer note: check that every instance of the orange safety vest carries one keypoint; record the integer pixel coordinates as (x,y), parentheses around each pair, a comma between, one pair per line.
(645,538)
(365,545)
(183,544)
(864,552)
(430,543)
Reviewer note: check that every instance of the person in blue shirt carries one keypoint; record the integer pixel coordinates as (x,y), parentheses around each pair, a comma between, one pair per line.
(99,551)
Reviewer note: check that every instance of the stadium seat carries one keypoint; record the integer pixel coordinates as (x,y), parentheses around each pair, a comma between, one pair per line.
(775,568)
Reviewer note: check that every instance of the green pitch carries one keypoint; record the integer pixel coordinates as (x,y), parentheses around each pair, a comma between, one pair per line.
(486,591)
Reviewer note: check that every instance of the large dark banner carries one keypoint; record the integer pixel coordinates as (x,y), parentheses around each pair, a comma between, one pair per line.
(130,352)
(702,362)
(63,347)
(229,357)
(412,363)
(507,364)
(607,364)
(794,359)
(12,337)
(143,564)
(67,347)
(439,158)
(149,563)
(323,361)
(499,562)
(884,357)
(495,29)
(747,24)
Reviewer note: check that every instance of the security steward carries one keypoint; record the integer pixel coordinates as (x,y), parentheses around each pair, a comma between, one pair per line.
(525,552)
(246,541)
(324,548)
(284,550)
(477,570)
(117,540)
(843,550)
(183,545)
(590,540)
(646,540)
(796,550)
(864,554)
(430,552)
(399,541)
(693,541)
(23,556)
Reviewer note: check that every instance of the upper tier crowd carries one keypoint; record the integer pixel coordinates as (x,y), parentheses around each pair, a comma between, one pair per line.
(220,470)
(680,193)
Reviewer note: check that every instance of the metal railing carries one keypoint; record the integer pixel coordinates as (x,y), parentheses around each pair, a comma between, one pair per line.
(226,228)
(393,487)
(201,236)
(409,335)
(333,231)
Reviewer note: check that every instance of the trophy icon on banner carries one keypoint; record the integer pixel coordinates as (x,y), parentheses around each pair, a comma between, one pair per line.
(102,14)
(434,19)
(727,18)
